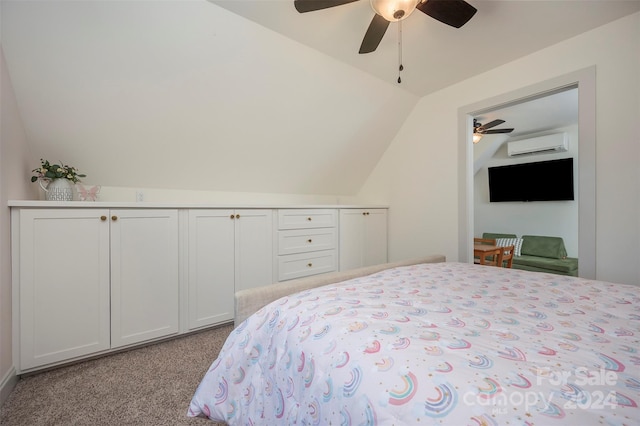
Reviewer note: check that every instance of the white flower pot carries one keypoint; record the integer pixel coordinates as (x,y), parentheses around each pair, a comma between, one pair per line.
(58,190)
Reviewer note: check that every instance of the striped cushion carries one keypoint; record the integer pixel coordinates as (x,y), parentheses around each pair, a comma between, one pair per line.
(516,242)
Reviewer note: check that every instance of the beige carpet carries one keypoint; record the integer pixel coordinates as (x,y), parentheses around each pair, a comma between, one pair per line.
(152,385)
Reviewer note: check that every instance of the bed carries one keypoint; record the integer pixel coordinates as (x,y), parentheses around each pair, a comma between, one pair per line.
(434,343)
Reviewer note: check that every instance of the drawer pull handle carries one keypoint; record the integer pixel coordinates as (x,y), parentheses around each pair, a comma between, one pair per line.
(103,218)
(309,240)
(309,265)
(309,219)
(114,218)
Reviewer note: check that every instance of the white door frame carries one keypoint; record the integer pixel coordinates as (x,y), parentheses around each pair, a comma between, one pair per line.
(585,81)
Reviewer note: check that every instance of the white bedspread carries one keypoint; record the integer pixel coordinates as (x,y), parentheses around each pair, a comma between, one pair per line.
(439,343)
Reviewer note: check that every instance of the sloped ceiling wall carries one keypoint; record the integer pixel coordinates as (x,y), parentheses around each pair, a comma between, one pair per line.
(186,95)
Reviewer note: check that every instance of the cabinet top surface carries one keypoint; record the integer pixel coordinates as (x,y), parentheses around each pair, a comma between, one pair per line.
(154,205)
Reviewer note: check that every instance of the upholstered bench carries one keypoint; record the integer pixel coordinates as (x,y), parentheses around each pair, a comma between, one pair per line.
(540,253)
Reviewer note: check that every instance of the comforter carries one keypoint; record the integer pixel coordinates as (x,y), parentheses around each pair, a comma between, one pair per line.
(438,343)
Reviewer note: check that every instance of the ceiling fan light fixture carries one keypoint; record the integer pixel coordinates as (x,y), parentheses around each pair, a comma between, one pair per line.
(394,10)
(476,137)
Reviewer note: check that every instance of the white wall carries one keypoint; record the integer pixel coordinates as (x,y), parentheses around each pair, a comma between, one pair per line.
(552,218)
(187,95)
(15,167)
(418,174)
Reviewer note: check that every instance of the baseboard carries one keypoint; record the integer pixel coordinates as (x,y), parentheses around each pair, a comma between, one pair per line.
(8,383)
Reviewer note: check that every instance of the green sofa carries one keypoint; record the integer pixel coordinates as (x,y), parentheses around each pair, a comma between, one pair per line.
(541,254)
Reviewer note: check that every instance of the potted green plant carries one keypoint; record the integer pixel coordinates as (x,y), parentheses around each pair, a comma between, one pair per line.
(60,179)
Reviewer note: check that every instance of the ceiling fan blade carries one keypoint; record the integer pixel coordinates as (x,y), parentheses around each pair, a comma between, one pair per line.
(489,132)
(303,6)
(374,34)
(491,124)
(451,12)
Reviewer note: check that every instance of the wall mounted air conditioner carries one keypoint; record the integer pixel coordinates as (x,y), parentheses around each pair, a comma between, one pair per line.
(557,142)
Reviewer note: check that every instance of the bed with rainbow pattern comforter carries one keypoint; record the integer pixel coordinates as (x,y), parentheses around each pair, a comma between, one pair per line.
(437,343)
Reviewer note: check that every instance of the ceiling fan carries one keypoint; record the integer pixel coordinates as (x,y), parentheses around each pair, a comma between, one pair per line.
(480,129)
(451,12)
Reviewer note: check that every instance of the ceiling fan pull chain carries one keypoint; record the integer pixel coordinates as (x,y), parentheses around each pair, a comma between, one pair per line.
(400,66)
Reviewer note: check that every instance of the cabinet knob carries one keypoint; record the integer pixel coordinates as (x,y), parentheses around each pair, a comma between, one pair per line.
(237,216)
(232,217)
(309,265)
(103,218)
(114,218)
(309,240)
(309,219)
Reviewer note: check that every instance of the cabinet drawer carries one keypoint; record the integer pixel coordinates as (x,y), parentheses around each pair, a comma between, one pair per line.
(304,264)
(306,240)
(305,219)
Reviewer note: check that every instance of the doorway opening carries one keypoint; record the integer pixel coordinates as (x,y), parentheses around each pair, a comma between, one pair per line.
(584,81)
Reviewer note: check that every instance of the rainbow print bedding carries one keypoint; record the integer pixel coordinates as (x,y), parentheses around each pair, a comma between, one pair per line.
(438,343)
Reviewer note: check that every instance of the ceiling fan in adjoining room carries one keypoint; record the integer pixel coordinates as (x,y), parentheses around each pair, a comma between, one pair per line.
(455,13)
(480,129)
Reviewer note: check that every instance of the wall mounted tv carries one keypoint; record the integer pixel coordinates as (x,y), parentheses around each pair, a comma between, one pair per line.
(539,181)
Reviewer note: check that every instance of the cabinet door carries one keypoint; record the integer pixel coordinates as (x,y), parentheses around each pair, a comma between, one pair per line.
(351,238)
(375,237)
(211,267)
(363,238)
(144,275)
(63,285)
(254,248)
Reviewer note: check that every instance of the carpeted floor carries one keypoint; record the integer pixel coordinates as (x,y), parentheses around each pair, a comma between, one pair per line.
(152,385)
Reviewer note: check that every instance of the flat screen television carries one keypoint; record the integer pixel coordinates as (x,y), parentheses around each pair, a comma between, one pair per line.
(539,181)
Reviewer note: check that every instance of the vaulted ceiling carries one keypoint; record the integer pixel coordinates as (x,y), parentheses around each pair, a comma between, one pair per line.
(435,55)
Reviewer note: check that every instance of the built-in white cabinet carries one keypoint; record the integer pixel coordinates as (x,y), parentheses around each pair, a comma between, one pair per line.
(228,250)
(94,278)
(306,241)
(88,280)
(363,237)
